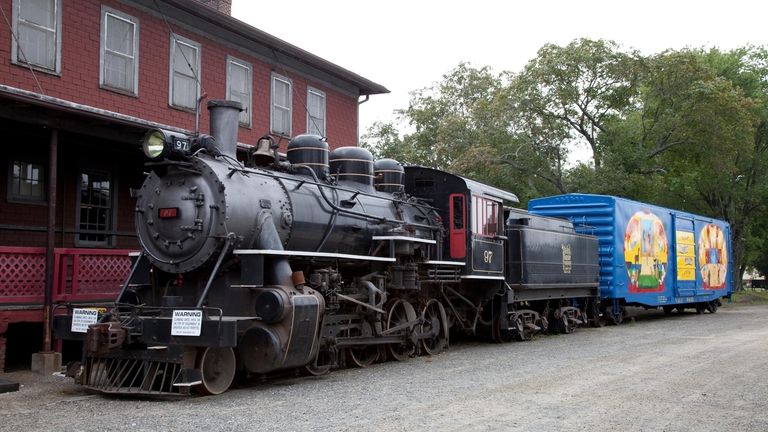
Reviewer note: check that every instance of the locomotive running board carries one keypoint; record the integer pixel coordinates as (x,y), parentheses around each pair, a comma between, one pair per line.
(309,254)
(501,278)
(404,238)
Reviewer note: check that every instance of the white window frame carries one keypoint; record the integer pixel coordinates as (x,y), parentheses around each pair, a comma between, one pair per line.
(105,11)
(16,53)
(485,216)
(245,115)
(177,39)
(319,93)
(273,105)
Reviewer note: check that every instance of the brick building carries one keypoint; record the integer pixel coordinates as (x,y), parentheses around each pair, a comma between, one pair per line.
(80,83)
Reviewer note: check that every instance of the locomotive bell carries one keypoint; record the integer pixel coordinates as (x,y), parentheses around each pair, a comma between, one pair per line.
(264,153)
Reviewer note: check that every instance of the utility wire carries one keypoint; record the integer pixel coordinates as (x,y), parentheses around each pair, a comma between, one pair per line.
(304,101)
(176,43)
(21,51)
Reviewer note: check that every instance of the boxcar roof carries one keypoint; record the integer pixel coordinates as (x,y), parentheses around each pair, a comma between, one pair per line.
(579,199)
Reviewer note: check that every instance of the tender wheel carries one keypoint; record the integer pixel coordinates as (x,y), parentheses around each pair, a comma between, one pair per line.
(218,369)
(667,309)
(543,323)
(400,313)
(435,323)
(362,355)
(564,324)
(519,325)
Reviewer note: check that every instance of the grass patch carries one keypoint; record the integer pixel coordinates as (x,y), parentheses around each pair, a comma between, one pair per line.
(749,297)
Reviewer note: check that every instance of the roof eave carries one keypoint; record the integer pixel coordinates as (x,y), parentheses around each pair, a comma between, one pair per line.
(366,86)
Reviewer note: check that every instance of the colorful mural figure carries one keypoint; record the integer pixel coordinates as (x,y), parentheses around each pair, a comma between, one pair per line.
(713,257)
(646,251)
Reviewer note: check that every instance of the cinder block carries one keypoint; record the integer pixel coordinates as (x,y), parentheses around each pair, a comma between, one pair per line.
(46,363)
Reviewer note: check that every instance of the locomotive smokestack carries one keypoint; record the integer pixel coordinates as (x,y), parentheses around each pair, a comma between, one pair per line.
(225,115)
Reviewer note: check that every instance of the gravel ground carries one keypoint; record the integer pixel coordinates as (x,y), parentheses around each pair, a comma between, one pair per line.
(675,373)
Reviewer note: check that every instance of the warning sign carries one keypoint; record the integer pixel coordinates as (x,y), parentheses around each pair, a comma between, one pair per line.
(82,318)
(186,323)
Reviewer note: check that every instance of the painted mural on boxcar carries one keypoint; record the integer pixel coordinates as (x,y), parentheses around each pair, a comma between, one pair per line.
(646,252)
(713,257)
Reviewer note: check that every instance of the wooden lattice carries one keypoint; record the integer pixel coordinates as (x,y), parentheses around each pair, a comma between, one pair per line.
(101,274)
(22,273)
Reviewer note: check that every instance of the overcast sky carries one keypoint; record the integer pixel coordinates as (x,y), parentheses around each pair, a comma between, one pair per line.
(407,45)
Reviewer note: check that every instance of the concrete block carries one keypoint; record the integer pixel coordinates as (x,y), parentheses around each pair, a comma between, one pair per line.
(46,363)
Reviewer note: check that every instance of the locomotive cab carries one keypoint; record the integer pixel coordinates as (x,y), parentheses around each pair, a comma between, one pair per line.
(472,215)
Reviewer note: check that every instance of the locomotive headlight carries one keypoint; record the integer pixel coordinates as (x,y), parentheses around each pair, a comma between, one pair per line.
(159,143)
(154,144)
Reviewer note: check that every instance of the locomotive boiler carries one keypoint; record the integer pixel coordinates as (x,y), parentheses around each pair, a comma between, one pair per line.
(315,260)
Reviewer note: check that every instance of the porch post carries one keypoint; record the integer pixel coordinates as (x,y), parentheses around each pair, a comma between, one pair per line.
(51,239)
(47,361)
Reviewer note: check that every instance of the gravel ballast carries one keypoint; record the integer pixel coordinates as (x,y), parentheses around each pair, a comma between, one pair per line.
(671,373)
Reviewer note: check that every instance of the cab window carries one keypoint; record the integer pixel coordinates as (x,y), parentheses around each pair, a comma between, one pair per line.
(485,216)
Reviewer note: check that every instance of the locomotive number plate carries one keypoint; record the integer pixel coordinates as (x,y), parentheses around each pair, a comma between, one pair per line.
(168,213)
(181,145)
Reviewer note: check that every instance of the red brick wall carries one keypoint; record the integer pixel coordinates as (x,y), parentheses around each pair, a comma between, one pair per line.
(79,80)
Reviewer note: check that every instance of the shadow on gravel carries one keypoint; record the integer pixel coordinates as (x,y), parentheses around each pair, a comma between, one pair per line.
(638,314)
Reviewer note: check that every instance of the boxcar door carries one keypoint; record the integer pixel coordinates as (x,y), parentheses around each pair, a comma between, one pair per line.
(685,256)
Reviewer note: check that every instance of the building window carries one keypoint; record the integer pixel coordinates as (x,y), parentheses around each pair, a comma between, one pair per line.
(185,73)
(119,51)
(485,216)
(37,25)
(96,208)
(239,87)
(281,105)
(315,112)
(27,182)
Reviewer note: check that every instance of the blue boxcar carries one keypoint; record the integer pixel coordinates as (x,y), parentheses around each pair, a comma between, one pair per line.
(650,256)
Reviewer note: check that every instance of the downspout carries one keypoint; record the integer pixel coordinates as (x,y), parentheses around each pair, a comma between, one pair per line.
(360,102)
(50,239)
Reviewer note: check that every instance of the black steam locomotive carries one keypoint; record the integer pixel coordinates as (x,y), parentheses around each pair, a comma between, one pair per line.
(319,260)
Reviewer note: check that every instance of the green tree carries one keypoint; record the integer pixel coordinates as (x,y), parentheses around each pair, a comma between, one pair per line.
(697,139)
(565,96)
(685,129)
